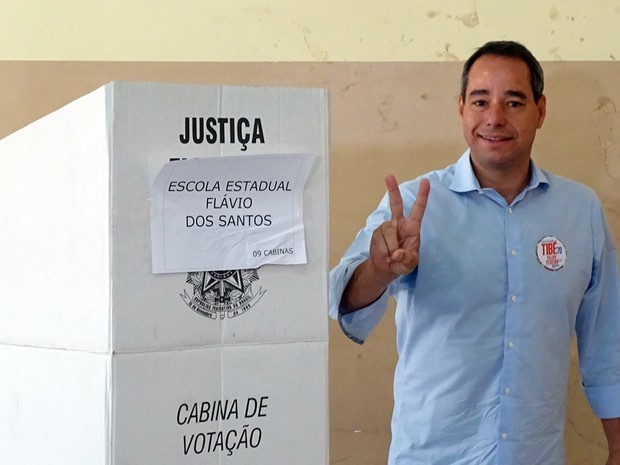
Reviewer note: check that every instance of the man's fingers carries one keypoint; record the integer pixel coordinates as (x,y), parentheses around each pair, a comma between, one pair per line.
(396,200)
(419,207)
(401,237)
(389,231)
(411,243)
(403,261)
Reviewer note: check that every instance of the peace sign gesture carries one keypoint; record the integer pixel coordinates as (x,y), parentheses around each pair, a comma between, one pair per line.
(394,250)
(395,244)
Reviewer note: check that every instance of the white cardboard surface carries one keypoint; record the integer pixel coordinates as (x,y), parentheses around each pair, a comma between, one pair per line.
(261,390)
(74,203)
(55,233)
(97,352)
(54,407)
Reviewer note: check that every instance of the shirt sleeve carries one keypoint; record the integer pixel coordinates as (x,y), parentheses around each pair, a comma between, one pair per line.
(598,325)
(358,325)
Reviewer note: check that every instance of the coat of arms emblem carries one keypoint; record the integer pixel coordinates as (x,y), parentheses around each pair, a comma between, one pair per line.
(227,293)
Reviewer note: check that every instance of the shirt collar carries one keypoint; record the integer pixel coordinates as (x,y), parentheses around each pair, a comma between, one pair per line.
(465,180)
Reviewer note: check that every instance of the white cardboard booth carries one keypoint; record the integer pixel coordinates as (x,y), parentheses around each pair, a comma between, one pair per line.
(103,361)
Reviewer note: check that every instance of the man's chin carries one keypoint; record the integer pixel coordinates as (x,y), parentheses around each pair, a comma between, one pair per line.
(498,159)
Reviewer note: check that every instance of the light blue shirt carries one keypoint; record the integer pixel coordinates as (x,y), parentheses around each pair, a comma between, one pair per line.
(484,324)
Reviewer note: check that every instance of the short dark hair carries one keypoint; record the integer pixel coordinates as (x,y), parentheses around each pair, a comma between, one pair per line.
(507,49)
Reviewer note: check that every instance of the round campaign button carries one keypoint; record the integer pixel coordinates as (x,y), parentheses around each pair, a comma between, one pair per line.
(551,253)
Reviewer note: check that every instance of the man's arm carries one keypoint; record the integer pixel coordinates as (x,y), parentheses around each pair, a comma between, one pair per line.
(611,426)
(364,288)
(394,249)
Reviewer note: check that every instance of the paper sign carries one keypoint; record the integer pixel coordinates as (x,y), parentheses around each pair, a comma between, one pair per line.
(229,213)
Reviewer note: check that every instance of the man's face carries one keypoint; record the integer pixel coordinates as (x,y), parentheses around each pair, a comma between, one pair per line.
(499,115)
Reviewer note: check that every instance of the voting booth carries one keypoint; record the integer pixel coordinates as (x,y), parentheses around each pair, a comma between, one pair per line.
(163,281)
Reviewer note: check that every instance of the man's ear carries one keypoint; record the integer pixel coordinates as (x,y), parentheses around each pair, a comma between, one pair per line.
(542,110)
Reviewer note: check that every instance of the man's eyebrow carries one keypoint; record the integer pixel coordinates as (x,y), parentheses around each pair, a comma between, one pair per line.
(476,92)
(509,93)
(516,93)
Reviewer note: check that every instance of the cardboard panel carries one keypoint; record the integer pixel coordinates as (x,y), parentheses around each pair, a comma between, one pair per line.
(233,405)
(54,239)
(148,310)
(54,407)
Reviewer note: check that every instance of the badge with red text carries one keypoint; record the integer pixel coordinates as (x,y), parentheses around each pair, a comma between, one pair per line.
(551,253)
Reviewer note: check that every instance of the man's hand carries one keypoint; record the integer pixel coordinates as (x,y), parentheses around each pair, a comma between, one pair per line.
(394,249)
(395,245)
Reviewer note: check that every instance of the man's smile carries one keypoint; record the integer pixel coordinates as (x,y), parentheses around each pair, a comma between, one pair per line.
(495,138)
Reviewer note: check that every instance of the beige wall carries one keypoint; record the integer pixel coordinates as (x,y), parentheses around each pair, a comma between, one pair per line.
(385,117)
(304,30)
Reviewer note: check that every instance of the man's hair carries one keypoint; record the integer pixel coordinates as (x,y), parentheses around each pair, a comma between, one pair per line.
(507,49)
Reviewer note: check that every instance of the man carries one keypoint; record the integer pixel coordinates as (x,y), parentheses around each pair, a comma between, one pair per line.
(493,263)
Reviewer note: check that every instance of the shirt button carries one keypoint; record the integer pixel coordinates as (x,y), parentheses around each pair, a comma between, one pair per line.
(509,210)
(507,390)
(504,436)
(513,252)
(511,344)
(514,298)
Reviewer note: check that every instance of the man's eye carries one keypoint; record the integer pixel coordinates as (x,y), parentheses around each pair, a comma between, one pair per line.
(515,104)
(479,103)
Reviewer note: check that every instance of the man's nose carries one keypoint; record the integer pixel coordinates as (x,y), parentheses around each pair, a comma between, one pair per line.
(496,115)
